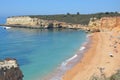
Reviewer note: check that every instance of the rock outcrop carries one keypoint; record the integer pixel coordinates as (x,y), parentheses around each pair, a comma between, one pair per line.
(27,21)
(9,70)
(104,24)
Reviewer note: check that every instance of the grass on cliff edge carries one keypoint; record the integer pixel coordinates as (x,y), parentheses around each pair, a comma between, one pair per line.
(76,18)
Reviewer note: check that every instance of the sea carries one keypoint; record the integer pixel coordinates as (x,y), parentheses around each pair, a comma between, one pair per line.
(41,52)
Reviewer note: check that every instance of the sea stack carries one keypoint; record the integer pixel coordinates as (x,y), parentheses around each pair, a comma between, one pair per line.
(9,70)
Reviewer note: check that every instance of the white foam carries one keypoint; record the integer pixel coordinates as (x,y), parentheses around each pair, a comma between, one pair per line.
(6,27)
(82,48)
(72,58)
(65,62)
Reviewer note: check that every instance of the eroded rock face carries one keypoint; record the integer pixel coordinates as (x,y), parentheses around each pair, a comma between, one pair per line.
(108,23)
(11,74)
(40,23)
(104,24)
(26,21)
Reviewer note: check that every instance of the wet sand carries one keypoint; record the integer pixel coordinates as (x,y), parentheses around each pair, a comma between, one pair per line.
(102,58)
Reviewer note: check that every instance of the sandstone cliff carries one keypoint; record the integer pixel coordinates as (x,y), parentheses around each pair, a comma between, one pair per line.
(104,24)
(27,21)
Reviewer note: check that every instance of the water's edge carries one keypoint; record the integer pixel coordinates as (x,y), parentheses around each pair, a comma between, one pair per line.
(58,73)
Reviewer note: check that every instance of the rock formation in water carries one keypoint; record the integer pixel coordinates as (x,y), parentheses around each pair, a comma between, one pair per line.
(26,21)
(9,70)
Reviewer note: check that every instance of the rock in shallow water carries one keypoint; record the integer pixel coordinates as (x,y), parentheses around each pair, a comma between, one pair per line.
(9,70)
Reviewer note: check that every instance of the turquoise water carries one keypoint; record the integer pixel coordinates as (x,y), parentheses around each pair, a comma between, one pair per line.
(39,52)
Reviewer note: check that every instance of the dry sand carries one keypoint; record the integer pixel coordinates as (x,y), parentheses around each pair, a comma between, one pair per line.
(103,57)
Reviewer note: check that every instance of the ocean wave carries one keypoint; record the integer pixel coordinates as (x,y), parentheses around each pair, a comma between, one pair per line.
(82,48)
(72,58)
(68,60)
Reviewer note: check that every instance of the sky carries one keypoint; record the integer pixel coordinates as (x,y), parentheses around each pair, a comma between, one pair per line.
(46,7)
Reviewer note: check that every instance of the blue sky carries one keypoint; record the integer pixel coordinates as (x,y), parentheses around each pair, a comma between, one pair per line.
(41,7)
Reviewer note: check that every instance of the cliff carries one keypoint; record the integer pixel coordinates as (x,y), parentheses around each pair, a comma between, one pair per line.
(76,18)
(95,24)
(11,74)
(104,24)
(9,70)
(26,21)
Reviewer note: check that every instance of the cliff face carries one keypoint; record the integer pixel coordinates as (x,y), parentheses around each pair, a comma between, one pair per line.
(40,23)
(11,74)
(108,23)
(26,21)
(104,24)
(22,21)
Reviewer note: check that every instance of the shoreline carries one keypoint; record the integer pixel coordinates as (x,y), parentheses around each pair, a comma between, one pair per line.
(97,60)
(88,45)
(84,28)
(22,26)
(74,70)
(70,62)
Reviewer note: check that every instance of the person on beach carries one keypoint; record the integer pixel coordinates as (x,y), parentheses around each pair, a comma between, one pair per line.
(111,55)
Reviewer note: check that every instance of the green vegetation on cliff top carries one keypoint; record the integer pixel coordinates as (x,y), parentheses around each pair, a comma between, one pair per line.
(76,18)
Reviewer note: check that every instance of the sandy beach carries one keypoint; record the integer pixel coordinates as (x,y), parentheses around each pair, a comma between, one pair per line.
(102,58)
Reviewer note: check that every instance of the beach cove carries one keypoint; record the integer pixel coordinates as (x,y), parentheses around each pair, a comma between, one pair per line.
(60,40)
(102,58)
(81,56)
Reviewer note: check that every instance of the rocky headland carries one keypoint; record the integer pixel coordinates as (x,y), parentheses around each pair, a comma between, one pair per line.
(29,22)
(9,70)
(71,21)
